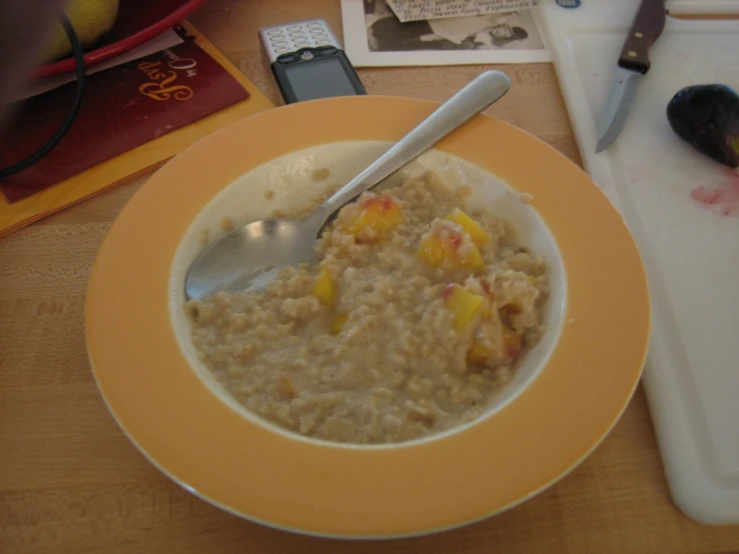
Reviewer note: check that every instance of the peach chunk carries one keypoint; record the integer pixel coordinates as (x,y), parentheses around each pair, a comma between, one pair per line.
(479,353)
(324,288)
(482,351)
(380,214)
(463,304)
(478,235)
(288,387)
(512,342)
(448,247)
(338,323)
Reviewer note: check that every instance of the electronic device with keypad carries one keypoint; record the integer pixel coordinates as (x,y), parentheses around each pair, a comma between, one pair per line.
(308,62)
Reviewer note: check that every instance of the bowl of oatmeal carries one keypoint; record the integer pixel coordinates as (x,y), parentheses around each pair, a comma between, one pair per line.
(426,301)
(436,366)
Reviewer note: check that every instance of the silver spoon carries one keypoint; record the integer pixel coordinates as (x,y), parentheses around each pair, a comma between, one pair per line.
(252,255)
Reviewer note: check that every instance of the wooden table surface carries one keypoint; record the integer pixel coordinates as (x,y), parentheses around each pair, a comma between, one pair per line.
(70,481)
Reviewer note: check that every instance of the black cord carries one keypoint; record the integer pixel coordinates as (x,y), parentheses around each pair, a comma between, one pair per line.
(71,116)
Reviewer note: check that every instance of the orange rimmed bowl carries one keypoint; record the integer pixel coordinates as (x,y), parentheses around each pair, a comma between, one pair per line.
(570,392)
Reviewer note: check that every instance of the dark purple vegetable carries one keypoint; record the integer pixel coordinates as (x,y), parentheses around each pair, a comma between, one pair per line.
(707,117)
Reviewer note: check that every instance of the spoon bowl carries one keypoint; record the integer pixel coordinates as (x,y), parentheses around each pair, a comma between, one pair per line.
(251,256)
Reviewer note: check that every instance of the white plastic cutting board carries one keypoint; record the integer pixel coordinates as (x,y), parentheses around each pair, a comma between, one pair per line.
(683,210)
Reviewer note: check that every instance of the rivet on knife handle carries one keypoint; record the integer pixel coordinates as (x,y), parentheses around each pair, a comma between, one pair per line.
(647,26)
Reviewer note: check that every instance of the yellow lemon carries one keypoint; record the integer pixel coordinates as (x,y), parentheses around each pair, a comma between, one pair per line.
(90,18)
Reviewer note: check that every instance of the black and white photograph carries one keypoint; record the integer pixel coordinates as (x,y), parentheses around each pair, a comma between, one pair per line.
(374,36)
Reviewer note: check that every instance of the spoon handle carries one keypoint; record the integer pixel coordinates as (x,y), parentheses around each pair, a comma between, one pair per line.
(480,93)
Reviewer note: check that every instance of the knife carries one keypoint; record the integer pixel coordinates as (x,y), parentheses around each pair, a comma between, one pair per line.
(633,64)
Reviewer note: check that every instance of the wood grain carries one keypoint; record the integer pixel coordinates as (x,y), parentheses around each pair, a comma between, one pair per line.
(70,481)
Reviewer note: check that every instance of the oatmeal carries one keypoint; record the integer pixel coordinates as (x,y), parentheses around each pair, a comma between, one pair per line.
(320,174)
(415,315)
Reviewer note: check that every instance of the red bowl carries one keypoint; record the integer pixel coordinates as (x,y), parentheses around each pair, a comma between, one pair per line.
(137,22)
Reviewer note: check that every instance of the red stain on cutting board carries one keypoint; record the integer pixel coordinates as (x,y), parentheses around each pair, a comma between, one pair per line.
(721,198)
(637,173)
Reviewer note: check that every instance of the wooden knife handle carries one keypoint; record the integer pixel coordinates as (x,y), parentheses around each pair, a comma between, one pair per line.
(646,28)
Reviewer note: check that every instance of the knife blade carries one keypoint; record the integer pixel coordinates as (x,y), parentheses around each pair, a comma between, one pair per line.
(633,64)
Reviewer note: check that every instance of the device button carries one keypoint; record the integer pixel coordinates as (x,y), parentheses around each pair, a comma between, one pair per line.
(329,50)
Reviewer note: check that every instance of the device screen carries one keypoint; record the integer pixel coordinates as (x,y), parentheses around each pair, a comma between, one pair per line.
(320,78)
